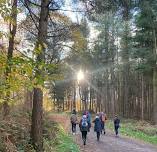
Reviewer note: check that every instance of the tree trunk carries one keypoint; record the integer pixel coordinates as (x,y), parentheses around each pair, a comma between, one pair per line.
(142,98)
(125,60)
(86,98)
(90,99)
(12,33)
(155,81)
(37,112)
(28,100)
(155,97)
(63,105)
(74,100)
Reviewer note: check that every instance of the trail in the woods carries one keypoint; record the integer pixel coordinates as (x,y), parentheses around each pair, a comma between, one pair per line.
(108,142)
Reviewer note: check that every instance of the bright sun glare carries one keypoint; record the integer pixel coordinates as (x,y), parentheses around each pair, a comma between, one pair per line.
(80,75)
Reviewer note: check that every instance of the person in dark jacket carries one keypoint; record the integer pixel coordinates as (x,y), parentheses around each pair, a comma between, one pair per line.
(89,120)
(116,124)
(97,126)
(84,128)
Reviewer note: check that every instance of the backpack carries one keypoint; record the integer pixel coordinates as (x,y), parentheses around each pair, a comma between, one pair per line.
(74,118)
(84,123)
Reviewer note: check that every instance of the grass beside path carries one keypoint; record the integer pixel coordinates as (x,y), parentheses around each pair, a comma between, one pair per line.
(61,142)
(58,139)
(137,129)
(66,143)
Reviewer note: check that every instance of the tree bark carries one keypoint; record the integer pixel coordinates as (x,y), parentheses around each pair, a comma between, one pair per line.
(37,115)
(125,60)
(74,99)
(142,98)
(155,81)
(28,100)
(37,111)
(12,33)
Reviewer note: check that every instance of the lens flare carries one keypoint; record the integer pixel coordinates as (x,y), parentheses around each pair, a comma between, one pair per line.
(80,76)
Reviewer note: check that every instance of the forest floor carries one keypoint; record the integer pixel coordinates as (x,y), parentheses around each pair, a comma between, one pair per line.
(108,142)
(15,134)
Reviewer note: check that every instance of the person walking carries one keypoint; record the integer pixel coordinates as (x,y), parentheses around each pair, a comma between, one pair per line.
(73,120)
(103,119)
(116,125)
(97,126)
(89,120)
(84,128)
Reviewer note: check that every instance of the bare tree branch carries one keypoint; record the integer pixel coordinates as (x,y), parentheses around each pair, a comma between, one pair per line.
(23,54)
(33,3)
(31,32)
(30,12)
(58,9)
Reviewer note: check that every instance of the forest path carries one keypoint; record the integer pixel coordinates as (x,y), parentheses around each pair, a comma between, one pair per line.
(108,142)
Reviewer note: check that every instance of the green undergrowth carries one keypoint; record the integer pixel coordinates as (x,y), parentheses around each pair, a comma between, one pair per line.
(58,140)
(15,135)
(65,142)
(137,129)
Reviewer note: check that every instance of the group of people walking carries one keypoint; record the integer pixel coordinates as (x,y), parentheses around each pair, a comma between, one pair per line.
(85,124)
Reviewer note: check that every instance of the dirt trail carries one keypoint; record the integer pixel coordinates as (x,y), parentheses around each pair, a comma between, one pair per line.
(108,142)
